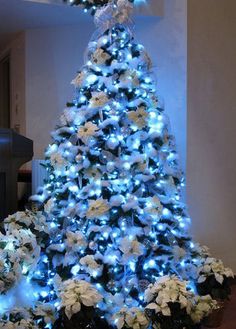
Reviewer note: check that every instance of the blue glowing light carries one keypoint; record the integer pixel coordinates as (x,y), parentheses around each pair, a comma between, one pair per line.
(151,263)
(91,78)
(182,263)
(44,294)
(139,2)
(132,266)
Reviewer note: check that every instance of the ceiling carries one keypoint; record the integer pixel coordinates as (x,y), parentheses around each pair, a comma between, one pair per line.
(20,15)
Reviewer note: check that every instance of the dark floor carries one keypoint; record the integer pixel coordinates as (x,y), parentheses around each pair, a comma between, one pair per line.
(230,312)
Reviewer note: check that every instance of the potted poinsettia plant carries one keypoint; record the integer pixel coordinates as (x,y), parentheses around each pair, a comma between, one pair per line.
(78,306)
(214,279)
(170,304)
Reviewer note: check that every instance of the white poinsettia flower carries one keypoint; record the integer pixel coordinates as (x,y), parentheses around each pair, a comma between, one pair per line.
(99,229)
(201,307)
(39,222)
(131,248)
(93,174)
(122,11)
(21,324)
(57,161)
(91,266)
(135,140)
(49,205)
(153,206)
(19,217)
(98,99)
(111,256)
(229,272)
(142,167)
(153,100)
(97,208)
(75,241)
(52,148)
(130,78)
(146,59)
(114,301)
(119,319)
(36,221)
(178,253)
(10,269)
(23,237)
(201,250)
(139,117)
(169,187)
(213,267)
(167,289)
(165,310)
(18,318)
(133,318)
(87,131)
(67,116)
(79,79)
(24,244)
(46,311)
(116,200)
(136,319)
(74,293)
(99,57)
(131,203)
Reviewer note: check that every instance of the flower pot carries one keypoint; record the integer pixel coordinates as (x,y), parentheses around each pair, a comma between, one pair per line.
(215,319)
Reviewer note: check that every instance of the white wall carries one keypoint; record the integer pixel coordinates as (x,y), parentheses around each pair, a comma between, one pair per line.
(53,55)
(211,124)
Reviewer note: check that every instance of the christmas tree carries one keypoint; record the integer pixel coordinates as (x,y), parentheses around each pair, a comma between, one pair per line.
(109,245)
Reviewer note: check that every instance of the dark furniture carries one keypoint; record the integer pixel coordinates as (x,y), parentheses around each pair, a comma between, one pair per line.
(15,150)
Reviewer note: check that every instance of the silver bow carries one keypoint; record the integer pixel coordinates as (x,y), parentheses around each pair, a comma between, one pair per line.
(115,12)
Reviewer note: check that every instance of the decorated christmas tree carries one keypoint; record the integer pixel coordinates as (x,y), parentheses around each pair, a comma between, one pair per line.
(108,245)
